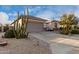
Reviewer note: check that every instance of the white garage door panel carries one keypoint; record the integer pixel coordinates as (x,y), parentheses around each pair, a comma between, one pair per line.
(35,27)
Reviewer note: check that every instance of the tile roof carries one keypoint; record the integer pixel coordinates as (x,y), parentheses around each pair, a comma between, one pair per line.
(29,17)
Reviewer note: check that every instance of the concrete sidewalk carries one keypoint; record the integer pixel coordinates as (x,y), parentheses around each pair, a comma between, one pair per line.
(58,43)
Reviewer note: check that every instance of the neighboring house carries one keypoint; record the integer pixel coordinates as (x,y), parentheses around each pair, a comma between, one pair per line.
(51,25)
(1,27)
(4,28)
(78,24)
(55,24)
(34,24)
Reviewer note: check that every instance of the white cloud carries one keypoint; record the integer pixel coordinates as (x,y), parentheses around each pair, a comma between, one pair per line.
(4,18)
(46,15)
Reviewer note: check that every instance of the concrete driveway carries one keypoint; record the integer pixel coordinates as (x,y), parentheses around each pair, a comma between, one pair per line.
(57,43)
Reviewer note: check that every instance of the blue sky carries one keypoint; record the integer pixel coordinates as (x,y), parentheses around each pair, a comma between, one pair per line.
(8,13)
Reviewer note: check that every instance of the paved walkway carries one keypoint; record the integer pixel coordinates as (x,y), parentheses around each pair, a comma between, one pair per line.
(59,43)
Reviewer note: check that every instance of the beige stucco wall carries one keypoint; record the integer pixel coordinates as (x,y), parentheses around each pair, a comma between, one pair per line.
(15,25)
(20,22)
(58,25)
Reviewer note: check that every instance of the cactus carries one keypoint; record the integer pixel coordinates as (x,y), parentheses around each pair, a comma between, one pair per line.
(27,22)
(20,31)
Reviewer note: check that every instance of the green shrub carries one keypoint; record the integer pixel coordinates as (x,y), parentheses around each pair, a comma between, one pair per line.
(75,31)
(61,28)
(6,28)
(22,36)
(77,27)
(9,34)
(25,35)
(65,33)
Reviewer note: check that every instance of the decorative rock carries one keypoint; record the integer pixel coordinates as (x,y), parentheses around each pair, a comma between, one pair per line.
(3,43)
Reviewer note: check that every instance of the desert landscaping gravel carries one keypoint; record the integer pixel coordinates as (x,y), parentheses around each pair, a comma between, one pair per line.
(22,46)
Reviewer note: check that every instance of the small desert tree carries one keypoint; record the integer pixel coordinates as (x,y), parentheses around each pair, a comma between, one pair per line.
(68,21)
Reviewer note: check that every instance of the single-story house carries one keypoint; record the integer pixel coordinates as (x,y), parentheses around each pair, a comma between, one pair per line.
(31,23)
(4,28)
(51,25)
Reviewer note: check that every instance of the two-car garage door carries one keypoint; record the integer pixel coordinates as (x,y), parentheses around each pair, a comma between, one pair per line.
(35,27)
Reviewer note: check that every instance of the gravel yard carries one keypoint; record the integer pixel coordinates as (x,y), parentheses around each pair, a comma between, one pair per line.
(22,46)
